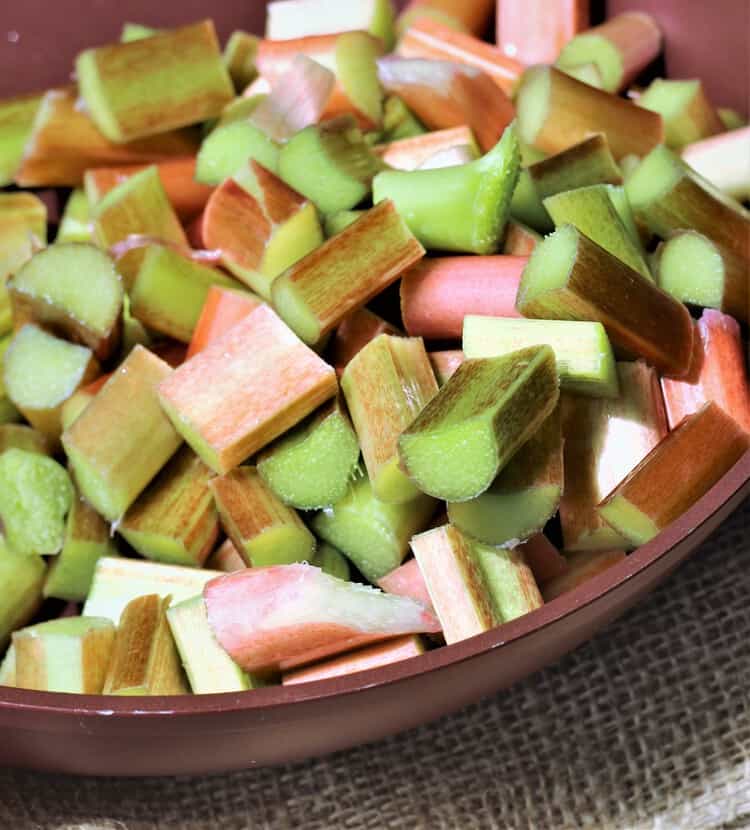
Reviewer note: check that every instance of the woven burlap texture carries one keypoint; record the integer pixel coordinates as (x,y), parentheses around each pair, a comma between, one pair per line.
(647,726)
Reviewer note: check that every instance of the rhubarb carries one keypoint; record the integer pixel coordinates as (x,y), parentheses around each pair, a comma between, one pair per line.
(687,112)
(399,122)
(75,224)
(581,567)
(22,577)
(407,581)
(527,207)
(587,163)
(412,153)
(724,161)
(8,412)
(544,559)
(331,561)
(519,239)
(534,31)
(354,332)
(444,364)
(20,437)
(222,308)
(16,120)
(472,16)
(239,58)
(230,147)
(226,558)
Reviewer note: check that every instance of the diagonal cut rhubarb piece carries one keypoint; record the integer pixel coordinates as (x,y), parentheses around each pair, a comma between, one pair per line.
(386,386)
(720,376)
(544,559)
(688,114)
(407,581)
(155,84)
(476,199)
(724,161)
(41,372)
(570,277)
(289,615)
(581,567)
(399,121)
(222,308)
(428,38)
(510,581)
(174,520)
(520,240)
(16,120)
(373,534)
(522,499)
(64,143)
(486,411)
(443,94)
(675,474)
(239,58)
(585,362)
(226,558)
(122,438)
(69,654)
(73,287)
(620,48)
(22,577)
(75,223)
(311,466)
(604,439)
(345,272)
(556,111)
(21,437)
(145,660)
(245,389)
(534,31)
(230,147)
(439,292)
(354,332)
(411,153)
(470,17)
(444,364)
(263,529)
(25,210)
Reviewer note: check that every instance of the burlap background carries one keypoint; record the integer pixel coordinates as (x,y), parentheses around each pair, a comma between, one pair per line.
(647,726)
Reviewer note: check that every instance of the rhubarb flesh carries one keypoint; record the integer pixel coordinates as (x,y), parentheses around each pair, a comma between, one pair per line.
(354,332)
(16,120)
(222,308)
(225,402)
(534,31)
(687,113)
(386,386)
(239,58)
(75,224)
(285,616)
(22,577)
(331,561)
(586,163)
(8,412)
(411,153)
(470,17)
(311,466)
(230,147)
(470,430)
(407,581)
(21,437)
(724,161)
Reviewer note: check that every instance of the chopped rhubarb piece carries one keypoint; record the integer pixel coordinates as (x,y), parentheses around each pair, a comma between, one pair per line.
(544,559)
(75,224)
(222,308)
(469,431)
(370,657)
(239,58)
(22,577)
(289,615)
(724,161)
(354,332)
(226,558)
(519,239)
(580,568)
(438,292)
(407,581)
(720,376)
(16,120)
(145,659)
(386,386)
(230,147)
(20,437)
(399,121)
(444,364)
(245,389)
(319,291)
(534,31)
(687,112)
(470,16)
(331,561)
(675,474)
(411,153)
(8,412)
(339,221)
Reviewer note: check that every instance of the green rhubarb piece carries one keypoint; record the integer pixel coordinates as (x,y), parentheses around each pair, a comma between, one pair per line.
(209,668)
(16,120)
(8,412)
(331,561)
(373,534)
(136,31)
(509,580)
(21,437)
(74,287)
(690,267)
(239,58)
(69,654)
(117,581)
(592,211)
(619,197)
(330,164)
(587,73)
(731,119)
(8,668)
(240,109)
(585,361)
(21,577)
(522,499)
(355,57)
(35,496)
(592,51)
(155,84)
(337,222)
(229,148)
(688,115)
(293,19)
(75,225)
(527,207)
(122,438)
(487,410)
(174,520)
(133,331)
(399,121)
(474,201)
(169,290)
(73,407)
(311,466)
(87,540)
(41,372)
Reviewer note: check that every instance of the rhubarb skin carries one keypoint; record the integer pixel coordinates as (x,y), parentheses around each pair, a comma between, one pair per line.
(580,568)
(721,375)
(386,386)
(16,120)
(519,239)
(428,38)
(443,95)
(407,581)
(122,438)
(444,364)
(723,160)
(354,332)
(345,272)
(370,657)
(222,308)
(225,401)
(64,143)
(534,31)
(22,437)
(290,615)
(438,292)
(604,440)
(411,153)
(675,474)
(688,114)
(22,576)
(544,559)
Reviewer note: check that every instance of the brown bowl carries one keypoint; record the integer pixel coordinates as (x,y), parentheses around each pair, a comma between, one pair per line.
(104,735)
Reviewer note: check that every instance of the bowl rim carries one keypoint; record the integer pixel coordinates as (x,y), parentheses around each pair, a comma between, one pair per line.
(272,698)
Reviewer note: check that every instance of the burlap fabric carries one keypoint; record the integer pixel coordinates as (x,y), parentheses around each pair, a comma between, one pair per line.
(647,726)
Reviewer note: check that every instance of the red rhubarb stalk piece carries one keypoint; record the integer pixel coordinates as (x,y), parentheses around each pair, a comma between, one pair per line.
(222,308)
(544,559)
(407,581)
(580,568)
(354,333)
(534,31)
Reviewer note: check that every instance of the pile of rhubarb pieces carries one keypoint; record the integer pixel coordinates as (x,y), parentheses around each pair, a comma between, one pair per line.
(355,339)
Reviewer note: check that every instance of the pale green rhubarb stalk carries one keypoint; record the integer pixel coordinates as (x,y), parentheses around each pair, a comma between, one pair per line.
(263,529)
(155,84)
(16,120)
(76,224)
(373,534)
(585,361)
(569,277)
(331,561)
(22,577)
(399,122)
(688,114)
(122,438)
(230,147)
(526,206)
(21,437)
(311,466)
(475,199)
(239,58)
(174,520)
(8,412)
(470,430)
(318,292)
(523,497)
(588,162)
(386,385)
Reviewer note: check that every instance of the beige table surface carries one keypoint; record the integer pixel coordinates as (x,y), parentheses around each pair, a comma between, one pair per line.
(647,726)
